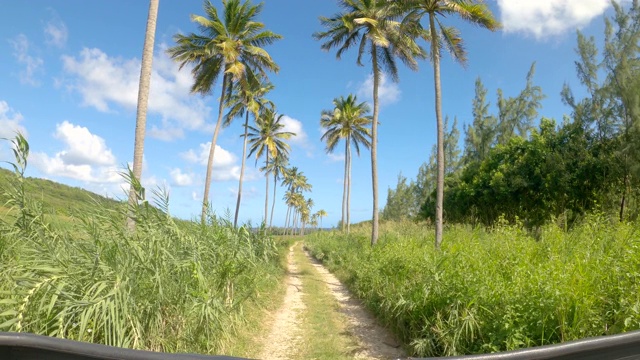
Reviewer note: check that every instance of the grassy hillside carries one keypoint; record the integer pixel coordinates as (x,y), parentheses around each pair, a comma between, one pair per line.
(172,286)
(58,199)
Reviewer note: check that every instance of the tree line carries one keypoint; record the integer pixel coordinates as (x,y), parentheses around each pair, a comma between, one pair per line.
(511,170)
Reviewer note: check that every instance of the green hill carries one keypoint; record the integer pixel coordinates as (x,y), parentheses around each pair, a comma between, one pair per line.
(56,198)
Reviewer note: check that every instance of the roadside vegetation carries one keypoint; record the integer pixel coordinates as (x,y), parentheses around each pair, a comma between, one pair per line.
(494,289)
(542,220)
(170,286)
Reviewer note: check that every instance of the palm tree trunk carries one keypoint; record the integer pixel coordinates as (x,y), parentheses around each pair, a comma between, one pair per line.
(286,219)
(266,193)
(293,222)
(143,101)
(440,178)
(345,188)
(374,145)
(273,202)
(214,140)
(244,158)
(348,184)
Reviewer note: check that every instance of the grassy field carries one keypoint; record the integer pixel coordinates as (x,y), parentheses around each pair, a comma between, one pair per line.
(492,290)
(172,286)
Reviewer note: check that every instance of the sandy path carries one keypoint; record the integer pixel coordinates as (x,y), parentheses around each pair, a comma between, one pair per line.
(374,341)
(285,336)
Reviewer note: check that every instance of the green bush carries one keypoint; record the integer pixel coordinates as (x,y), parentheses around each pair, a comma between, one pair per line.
(492,290)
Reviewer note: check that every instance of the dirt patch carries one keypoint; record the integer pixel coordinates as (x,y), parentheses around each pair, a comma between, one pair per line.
(284,337)
(374,341)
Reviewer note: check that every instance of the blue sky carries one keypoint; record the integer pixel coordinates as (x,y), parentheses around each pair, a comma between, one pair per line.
(69,75)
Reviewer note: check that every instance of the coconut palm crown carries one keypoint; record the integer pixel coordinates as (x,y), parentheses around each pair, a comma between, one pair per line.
(227,45)
(373,26)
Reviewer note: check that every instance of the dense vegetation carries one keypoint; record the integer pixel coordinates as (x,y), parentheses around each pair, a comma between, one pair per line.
(170,286)
(561,171)
(494,289)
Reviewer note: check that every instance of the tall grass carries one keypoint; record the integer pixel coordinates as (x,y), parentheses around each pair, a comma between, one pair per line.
(174,287)
(496,289)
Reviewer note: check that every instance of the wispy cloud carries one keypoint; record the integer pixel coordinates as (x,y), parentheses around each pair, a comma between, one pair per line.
(224,162)
(56,32)
(104,81)
(181,179)
(545,18)
(388,91)
(10,121)
(32,65)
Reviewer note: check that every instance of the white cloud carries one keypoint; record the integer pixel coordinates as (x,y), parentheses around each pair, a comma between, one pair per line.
(83,146)
(104,81)
(294,126)
(56,33)
(224,167)
(10,122)
(166,133)
(388,91)
(85,157)
(32,65)
(543,18)
(247,193)
(336,157)
(181,179)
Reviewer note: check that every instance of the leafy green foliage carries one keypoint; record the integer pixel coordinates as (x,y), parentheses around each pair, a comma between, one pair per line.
(492,290)
(554,174)
(170,286)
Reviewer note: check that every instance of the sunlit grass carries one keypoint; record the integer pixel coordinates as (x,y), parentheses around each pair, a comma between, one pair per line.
(171,286)
(496,289)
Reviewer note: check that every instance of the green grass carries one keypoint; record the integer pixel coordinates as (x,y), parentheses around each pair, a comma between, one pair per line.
(58,199)
(492,290)
(247,340)
(171,286)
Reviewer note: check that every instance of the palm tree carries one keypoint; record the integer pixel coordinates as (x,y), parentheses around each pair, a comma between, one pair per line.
(226,45)
(305,214)
(346,121)
(298,203)
(373,26)
(277,166)
(296,182)
(289,200)
(247,97)
(449,37)
(320,214)
(143,101)
(267,137)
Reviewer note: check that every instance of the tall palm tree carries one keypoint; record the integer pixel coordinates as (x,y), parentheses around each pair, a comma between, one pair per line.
(346,121)
(226,45)
(305,214)
(247,97)
(297,183)
(143,101)
(268,138)
(473,11)
(298,203)
(320,214)
(277,166)
(373,26)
